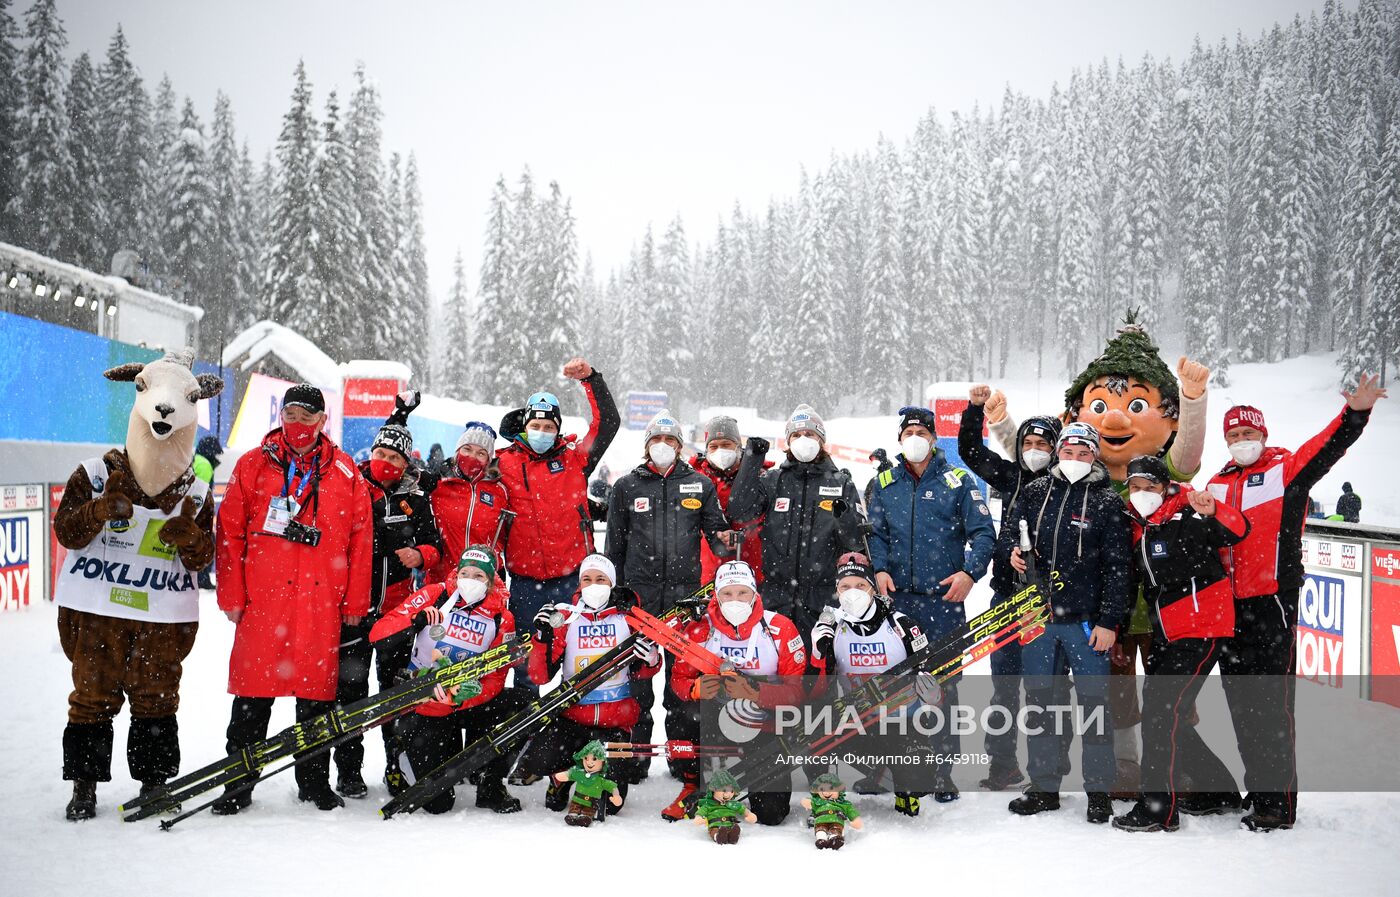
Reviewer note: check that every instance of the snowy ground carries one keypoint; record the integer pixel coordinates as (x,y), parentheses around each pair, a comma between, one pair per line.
(1344,844)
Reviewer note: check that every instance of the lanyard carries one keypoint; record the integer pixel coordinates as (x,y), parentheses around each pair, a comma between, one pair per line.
(305,482)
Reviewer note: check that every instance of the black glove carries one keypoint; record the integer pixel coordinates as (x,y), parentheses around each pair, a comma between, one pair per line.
(513,424)
(544,625)
(758,445)
(426,617)
(404,403)
(624,599)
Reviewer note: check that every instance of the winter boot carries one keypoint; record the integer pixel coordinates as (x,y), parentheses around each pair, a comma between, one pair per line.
(84,802)
(582,820)
(944,791)
(1209,803)
(871,784)
(491,794)
(677,810)
(232,804)
(1141,818)
(837,842)
(161,803)
(394,780)
(906,803)
(1002,779)
(1100,807)
(321,795)
(1264,821)
(351,784)
(556,796)
(1033,802)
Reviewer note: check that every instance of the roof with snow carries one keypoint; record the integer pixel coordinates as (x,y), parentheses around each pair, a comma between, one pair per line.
(289,347)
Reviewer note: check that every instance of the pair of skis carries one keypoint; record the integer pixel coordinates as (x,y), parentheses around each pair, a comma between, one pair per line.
(243,768)
(542,712)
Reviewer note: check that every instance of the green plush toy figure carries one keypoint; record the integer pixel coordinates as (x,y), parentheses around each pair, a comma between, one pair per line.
(588,777)
(831,811)
(721,809)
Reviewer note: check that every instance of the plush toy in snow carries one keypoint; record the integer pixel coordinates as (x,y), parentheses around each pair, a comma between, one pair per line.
(138,525)
(721,809)
(831,811)
(589,778)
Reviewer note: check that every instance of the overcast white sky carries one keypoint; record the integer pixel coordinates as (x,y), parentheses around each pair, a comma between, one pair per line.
(639,109)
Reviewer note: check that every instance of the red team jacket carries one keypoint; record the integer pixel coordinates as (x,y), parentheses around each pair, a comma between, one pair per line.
(293,595)
(549,492)
(492,608)
(459,504)
(1273,494)
(778,631)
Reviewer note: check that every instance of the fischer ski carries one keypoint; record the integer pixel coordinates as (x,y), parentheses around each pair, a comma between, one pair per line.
(245,765)
(538,715)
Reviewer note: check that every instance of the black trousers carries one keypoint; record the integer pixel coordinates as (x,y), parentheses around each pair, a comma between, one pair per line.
(431,741)
(1257,669)
(390,658)
(1173,752)
(656,601)
(247,725)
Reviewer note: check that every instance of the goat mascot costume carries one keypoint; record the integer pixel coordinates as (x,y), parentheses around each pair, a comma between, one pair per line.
(138,526)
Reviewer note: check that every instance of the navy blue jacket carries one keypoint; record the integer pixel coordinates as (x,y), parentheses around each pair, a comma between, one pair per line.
(923,530)
(1081,531)
(1005,476)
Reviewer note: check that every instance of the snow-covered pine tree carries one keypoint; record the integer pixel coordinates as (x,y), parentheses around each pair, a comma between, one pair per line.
(1297,223)
(165,130)
(371,255)
(495,372)
(226,276)
(771,301)
(1074,272)
(84,246)
(454,377)
(807,353)
(883,320)
(1379,329)
(1355,249)
(1260,324)
(189,225)
(640,338)
(727,366)
(10,95)
(673,355)
(42,209)
(1145,200)
(286,260)
(1202,220)
(558,311)
(412,313)
(124,150)
(330,312)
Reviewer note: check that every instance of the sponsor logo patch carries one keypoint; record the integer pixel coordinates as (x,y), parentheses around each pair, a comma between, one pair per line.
(691,503)
(782,504)
(692,487)
(641,504)
(830,490)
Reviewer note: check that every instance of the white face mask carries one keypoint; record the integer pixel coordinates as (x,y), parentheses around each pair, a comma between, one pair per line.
(722,459)
(595,596)
(1145,503)
(662,454)
(805,448)
(1075,471)
(736,612)
(1246,453)
(1036,459)
(915,449)
(471,590)
(856,603)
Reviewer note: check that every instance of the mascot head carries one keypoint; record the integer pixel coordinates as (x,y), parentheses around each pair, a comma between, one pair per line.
(1130,396)
(164,419)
